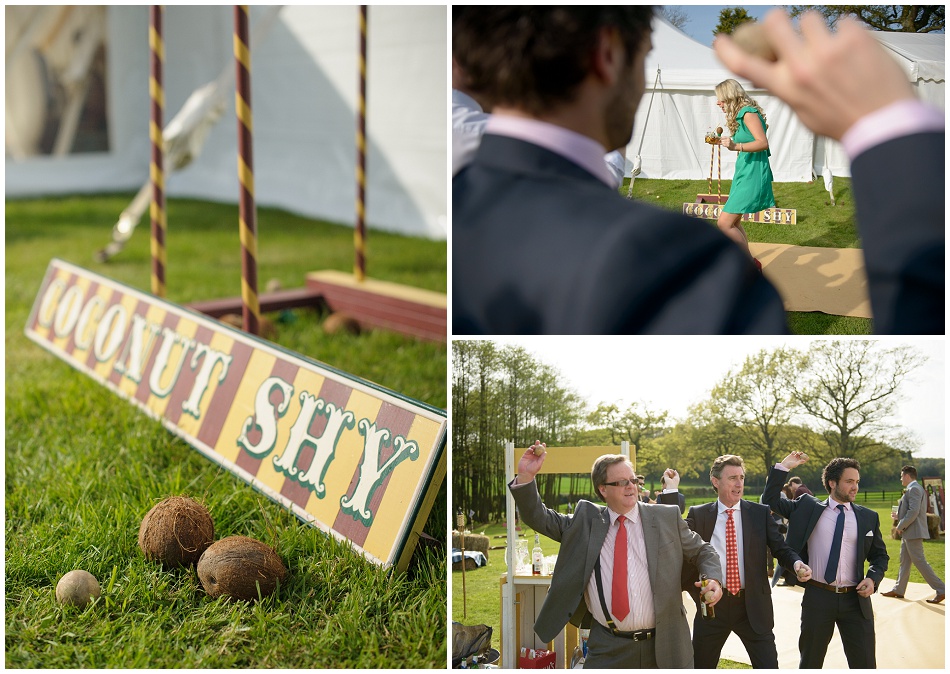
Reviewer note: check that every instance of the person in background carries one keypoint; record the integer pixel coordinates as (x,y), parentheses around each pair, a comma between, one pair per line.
(751,189)
(844,85)
(910,520)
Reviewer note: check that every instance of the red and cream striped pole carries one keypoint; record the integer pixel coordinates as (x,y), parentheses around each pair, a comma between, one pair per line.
(156,166)
(359,232)
(251,310)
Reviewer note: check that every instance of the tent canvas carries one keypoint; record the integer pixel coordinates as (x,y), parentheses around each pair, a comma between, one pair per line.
(304,98)
(681,76)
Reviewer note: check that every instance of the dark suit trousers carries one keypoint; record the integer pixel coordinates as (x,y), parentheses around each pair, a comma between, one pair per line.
(821,611)
(709,636)
(606,651)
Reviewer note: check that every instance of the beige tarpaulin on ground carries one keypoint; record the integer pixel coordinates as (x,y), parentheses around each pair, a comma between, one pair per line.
(829,280)
(910,632)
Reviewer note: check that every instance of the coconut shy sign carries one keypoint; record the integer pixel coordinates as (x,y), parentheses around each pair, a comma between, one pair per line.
(358,461)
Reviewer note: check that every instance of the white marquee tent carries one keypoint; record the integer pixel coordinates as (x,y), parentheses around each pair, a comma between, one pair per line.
(304,91)
(679,106)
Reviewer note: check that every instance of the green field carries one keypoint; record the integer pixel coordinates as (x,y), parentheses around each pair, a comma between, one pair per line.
(83,467)
(480,602)
(819,224)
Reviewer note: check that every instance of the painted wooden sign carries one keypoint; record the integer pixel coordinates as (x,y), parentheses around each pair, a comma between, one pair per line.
(710,211)
(358,461)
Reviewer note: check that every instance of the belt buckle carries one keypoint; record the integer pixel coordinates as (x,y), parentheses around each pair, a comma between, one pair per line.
(642,637)
(840,590)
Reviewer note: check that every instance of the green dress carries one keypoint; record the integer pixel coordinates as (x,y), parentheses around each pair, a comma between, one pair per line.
(752,184)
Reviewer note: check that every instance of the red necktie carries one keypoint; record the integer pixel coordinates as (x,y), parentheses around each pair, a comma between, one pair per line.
(733,583)
(620,599)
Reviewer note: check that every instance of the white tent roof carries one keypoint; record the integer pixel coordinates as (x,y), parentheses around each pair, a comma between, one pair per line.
(922,55)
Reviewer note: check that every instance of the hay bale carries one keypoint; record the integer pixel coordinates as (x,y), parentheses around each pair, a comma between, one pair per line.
(933,525)
(470,565)
(475,542)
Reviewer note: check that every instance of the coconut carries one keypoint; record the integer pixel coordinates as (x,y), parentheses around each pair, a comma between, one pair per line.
(238,566)
(77,588)
(176,531)
(751,38)
(341,323)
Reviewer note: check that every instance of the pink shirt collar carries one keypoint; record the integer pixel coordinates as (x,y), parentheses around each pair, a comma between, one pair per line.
(578,148)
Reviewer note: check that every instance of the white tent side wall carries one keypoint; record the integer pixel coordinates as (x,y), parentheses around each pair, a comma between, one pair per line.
(304,87)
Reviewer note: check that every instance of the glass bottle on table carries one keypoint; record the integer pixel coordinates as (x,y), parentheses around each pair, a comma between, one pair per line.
(537,557)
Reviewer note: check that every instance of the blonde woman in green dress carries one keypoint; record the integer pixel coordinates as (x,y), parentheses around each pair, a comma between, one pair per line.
(752,183)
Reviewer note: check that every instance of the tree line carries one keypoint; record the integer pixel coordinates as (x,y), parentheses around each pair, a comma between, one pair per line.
(837,398)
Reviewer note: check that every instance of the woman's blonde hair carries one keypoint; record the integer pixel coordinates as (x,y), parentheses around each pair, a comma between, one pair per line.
(735,98)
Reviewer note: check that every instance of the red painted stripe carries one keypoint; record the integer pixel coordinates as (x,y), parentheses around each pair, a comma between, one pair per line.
(288,372)
(398,421)
(224,395)
(143,392)
(186,380)
(115,376)
(331,392)
(115,298)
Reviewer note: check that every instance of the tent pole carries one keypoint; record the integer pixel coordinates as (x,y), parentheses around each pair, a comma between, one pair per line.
(636,170)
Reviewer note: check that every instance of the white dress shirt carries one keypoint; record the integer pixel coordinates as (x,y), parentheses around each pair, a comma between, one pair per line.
(719,540)
(642,612)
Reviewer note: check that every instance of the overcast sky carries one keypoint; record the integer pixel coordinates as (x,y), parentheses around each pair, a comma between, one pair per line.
(672,373)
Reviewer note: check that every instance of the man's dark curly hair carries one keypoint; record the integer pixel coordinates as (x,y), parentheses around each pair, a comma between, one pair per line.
(832,472)
(534,57)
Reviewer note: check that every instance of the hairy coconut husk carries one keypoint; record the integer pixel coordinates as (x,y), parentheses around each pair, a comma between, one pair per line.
(341,323)
(237,566)
(176,532)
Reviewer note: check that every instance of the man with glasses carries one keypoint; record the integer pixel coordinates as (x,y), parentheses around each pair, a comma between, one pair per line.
(911,523)
(602,579)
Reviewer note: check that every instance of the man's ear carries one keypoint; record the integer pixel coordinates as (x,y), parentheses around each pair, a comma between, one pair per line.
(609,55)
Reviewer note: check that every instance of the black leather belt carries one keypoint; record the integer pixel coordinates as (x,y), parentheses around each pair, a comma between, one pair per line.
(637,635)
(832,588)
(727,593)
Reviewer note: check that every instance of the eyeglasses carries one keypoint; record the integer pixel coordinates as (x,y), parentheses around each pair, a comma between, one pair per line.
(621,483)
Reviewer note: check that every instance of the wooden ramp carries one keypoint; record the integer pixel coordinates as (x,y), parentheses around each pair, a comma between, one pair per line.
(412,311)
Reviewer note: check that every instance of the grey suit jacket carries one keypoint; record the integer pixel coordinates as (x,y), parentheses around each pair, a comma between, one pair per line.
(668,543)
(912,513)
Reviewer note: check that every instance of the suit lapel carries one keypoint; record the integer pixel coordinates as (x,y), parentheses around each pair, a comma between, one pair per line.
(708,525)
(651,541)
(598,534)
(746,515)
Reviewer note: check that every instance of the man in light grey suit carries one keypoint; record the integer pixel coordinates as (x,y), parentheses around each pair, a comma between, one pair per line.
(911,523)
(637,619)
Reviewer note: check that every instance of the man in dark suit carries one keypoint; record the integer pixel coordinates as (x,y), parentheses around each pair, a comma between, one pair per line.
(911,523)
(618,569)
(741,532)
(543,245)
(836,537)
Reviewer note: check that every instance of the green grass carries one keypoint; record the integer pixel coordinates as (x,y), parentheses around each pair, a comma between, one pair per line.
(819,224)
(83,467)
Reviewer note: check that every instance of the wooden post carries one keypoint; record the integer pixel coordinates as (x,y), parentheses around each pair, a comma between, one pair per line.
(156,167)
(359,232)
(250,311)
